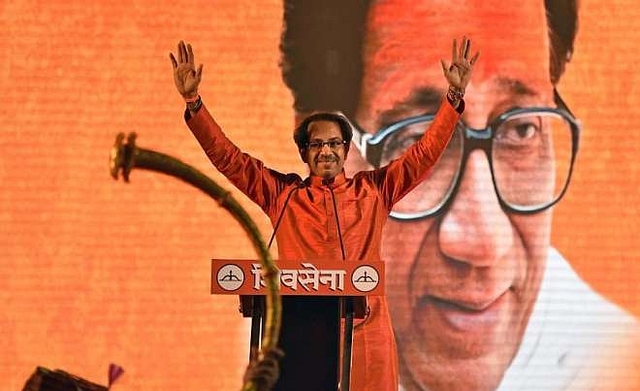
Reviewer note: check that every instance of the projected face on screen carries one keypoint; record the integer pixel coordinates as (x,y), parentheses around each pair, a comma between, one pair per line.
(465,252)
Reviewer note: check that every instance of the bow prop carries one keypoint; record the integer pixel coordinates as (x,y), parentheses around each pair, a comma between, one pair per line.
(125,156)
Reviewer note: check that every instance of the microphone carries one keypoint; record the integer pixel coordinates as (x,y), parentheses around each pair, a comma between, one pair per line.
(300,185)
(346,304)
(328,182)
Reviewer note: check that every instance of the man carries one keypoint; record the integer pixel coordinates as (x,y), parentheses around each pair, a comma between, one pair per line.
(479,299)
(302,211)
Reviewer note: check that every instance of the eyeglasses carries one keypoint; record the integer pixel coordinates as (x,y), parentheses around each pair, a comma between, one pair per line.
(317,145)
(530,151)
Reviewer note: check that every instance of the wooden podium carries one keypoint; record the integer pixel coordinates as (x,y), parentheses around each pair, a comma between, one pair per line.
(316,296)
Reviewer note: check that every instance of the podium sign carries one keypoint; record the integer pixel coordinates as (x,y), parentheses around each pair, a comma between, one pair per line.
(299,278)
(316,294)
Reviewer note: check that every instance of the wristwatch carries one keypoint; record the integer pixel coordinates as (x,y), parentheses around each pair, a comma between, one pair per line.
(454,94)
(195,105)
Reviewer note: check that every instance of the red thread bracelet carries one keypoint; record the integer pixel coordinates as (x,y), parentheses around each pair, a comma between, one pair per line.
(192,99)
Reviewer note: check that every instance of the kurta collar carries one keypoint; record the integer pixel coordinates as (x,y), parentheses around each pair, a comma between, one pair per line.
(317,181)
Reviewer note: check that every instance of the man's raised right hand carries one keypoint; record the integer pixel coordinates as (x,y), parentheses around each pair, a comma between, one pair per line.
(185,75)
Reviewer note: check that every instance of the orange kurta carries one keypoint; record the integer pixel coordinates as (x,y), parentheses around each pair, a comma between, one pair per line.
(309,226)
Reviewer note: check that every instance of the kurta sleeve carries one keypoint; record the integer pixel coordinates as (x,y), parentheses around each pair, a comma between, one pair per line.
(261,184)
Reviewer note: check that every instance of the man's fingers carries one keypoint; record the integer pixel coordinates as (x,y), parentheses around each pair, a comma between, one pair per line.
(181,52)
(445,67)
(475,58)
(454,50)
(185,55)
(466,48)
(190,56)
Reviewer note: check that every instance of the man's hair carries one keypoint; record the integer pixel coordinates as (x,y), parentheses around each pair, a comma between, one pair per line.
(562,22)
(301,133)
(321,53)
(321,49)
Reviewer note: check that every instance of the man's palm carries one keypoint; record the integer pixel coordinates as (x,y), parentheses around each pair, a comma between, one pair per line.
(185,75)
(186,80)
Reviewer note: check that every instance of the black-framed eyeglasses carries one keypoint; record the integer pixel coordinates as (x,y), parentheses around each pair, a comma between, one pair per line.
(530,152)
(317,145)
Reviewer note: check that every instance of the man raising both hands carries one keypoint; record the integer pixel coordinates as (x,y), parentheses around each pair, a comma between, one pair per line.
(303,209)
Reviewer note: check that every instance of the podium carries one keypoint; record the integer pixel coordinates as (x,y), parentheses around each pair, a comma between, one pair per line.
(320,300)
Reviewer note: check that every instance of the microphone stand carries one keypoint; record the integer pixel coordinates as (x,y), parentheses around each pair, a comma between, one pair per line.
(346,304)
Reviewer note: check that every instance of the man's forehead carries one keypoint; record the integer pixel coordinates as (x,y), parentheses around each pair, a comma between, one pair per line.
(439,19)
(323,128)
(405,41)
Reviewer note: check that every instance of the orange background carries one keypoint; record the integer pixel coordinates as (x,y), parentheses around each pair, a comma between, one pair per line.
(94,271)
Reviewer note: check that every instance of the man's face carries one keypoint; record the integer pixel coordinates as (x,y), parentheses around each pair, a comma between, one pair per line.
(461,286)
(326,152)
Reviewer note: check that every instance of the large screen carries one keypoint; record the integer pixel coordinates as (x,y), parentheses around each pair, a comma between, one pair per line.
(97,271)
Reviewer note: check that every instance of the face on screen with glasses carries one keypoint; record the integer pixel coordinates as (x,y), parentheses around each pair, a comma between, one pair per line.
(466,250)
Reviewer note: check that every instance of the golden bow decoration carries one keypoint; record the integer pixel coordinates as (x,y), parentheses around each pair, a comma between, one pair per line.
(125,156)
